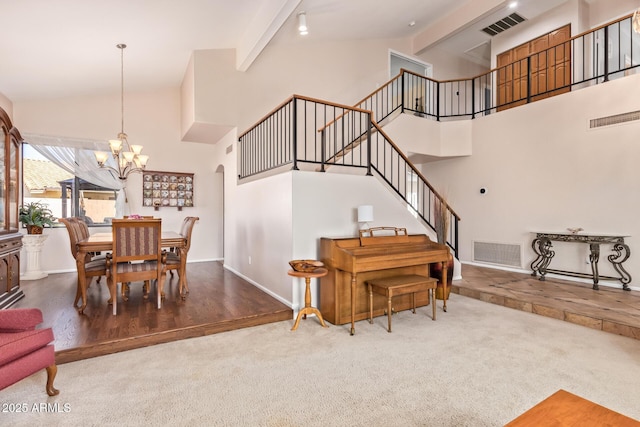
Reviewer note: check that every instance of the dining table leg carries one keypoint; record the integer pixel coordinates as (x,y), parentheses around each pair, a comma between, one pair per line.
(183,286)
(82,280)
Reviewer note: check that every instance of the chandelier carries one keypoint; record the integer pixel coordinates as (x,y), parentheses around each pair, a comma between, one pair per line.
(127,157)
(635,21)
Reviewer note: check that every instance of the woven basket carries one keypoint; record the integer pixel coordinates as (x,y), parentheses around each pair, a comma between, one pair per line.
(305,265)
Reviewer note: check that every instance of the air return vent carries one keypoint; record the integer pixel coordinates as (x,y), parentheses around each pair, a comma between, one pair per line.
(614,120)
(497,253)
(503,24)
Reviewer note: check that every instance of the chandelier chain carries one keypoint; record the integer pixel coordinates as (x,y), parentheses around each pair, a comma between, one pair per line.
(128,158)
(122,46)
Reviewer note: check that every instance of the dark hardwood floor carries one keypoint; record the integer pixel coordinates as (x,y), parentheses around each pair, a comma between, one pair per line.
(218,301)
(221,301)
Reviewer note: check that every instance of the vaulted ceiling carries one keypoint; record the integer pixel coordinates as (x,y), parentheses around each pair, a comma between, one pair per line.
(68,47)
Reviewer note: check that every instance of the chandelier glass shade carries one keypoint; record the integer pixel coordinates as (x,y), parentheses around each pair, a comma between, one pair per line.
(635,21)
(127,157)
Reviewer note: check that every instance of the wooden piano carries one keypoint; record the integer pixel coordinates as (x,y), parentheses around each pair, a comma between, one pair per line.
(352,261)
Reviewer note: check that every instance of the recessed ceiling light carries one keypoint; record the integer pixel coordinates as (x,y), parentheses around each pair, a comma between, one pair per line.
(302,24)
(513,5)
(412,23)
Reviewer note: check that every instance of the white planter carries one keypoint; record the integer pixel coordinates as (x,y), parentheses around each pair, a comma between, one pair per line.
(32,244)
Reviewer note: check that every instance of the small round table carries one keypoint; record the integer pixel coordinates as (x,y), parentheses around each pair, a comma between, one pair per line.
(308,275)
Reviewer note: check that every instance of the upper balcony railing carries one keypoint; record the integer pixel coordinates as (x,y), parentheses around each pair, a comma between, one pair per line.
(596,56)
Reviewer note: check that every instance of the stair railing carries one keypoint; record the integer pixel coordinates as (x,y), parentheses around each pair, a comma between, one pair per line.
(410,185)
(295,133)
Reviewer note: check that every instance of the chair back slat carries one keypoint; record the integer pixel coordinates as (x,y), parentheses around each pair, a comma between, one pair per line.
(136,239)
(133,241)
(77,230)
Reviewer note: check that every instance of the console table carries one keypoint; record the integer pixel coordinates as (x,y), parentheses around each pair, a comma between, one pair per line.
(543,248)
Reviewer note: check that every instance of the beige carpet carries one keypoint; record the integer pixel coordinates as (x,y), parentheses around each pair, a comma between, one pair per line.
(478,365)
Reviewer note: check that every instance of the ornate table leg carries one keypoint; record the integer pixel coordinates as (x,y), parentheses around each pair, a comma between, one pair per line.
(82,280)
(594,256)
(542,247)
(184,286)
(616,260)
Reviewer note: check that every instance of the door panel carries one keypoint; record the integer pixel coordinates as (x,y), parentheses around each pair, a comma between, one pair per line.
(548,69)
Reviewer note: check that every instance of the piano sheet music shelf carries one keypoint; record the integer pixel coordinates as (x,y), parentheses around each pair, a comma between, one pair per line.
(352,261)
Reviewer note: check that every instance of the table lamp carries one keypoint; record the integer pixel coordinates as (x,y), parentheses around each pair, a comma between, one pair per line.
(365,216)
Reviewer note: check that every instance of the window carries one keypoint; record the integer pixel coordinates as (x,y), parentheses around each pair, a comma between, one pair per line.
(66,194)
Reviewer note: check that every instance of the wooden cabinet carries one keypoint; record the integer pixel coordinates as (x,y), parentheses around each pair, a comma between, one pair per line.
(10,196)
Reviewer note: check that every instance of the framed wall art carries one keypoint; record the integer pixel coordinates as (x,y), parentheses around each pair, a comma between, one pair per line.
(167,189)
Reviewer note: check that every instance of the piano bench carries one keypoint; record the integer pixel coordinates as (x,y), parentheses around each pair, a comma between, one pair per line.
(401,285)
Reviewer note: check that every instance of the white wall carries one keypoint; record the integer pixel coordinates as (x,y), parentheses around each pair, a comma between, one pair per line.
(152,120)
(546,171)
(603,11)
(325,205)
(282,217)
(343,72)
(415,135)
(258,227)
(449,67)
(7,106)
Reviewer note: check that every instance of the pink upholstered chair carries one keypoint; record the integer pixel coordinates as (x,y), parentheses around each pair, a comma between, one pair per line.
(24,349)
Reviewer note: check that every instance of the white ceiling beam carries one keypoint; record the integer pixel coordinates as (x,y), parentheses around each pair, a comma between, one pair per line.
(265,24)
(454,22)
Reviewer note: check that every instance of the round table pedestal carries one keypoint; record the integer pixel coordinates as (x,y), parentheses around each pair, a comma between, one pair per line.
(308,309)
(32,244)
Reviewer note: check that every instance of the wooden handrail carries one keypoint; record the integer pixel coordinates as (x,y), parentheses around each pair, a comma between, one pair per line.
(304,98)
(332,104)
(266,116)
(380,88)
(383,133)
(371,95)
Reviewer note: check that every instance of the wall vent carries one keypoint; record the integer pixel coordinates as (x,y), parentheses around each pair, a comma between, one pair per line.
(498,253)
(614,120)
(503,24)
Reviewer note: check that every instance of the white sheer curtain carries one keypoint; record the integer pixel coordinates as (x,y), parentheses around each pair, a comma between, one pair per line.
(77,157)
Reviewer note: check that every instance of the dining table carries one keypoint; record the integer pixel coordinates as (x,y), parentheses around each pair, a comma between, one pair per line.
(101,242)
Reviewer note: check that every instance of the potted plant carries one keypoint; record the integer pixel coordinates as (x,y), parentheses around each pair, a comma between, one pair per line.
(35,216)
(441,222)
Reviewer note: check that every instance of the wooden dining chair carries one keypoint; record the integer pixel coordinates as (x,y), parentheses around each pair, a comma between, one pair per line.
(136,255)
(93,266)
(177,259)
